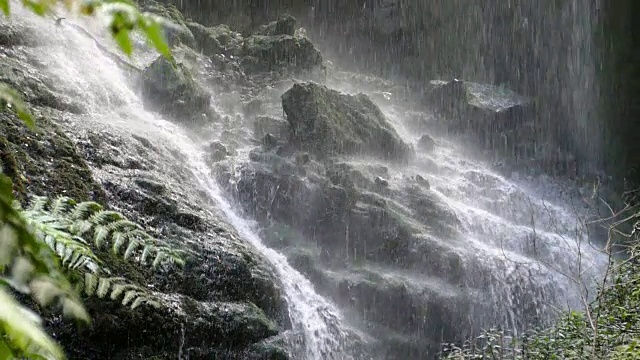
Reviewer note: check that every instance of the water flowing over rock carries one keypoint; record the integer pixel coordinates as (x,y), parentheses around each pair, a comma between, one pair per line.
(317,231)
(480,108)
(177,31)
(327,122)
(170,89)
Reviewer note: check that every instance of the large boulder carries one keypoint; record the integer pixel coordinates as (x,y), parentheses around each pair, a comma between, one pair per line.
(285,25)
(479,107)
(280,52)
(218,39)
(170,89)
(327,122)
(224,304)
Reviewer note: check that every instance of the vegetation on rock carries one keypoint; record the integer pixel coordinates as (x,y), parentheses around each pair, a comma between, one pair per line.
(42,248)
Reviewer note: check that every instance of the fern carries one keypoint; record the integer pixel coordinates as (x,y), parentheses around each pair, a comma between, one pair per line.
(118,287)
(70,229)
(103,227)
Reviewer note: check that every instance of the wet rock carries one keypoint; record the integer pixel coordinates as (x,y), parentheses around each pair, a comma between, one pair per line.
(422,182)
(177,32)
(404,307)
(481,108)
(216,152)
(327,122)
(152,186)
(218,39)
(267,124)
(16,35)
(44,161)
(181,322)
(252,107)
(280,53)
(303,159)
(285,25)
(269,141)
(426,143)
(378,233)
(381,182)
(36,89)
(170,89)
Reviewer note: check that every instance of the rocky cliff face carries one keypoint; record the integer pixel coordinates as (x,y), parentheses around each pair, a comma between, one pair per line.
(227,302)
(363,193)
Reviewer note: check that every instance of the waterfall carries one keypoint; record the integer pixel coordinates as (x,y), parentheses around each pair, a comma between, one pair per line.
(81,68)
(518,236)
(314,316)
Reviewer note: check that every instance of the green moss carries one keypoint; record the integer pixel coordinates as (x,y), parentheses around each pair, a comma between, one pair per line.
(270,53)
(328,122)
(10,168)
(44,161)
(171,89)
(218,39)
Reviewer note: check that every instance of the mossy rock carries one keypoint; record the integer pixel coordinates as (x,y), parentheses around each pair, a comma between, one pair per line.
(44,161)
(178,32)
(170,89)
(280,52)
(218,39)
(285,25)
(327,122)
(197,329)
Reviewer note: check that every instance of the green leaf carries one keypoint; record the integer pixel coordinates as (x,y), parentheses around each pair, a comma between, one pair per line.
(155,35)
(5,350)
(4,6)
(13,100)
(123,40)
(40,7)
(22,331)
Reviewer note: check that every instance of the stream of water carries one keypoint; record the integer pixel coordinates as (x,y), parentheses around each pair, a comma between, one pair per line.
(499,216)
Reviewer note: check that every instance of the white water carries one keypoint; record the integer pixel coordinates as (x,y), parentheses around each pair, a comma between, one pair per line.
(311,314)
(84,71)
(496,212)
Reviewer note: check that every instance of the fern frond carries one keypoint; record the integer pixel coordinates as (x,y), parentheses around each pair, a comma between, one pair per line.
(123,225)
(61,205)
(146,252)
(90,283)
(105,216)
(133,246)
(100,235)
(81,227)
(73,251)
(64,225)
(84,210)
(115,287)
(119,289)
(38,203)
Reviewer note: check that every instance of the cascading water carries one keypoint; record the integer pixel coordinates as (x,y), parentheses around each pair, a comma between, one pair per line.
(506,231)
(81,69)
(312,315)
